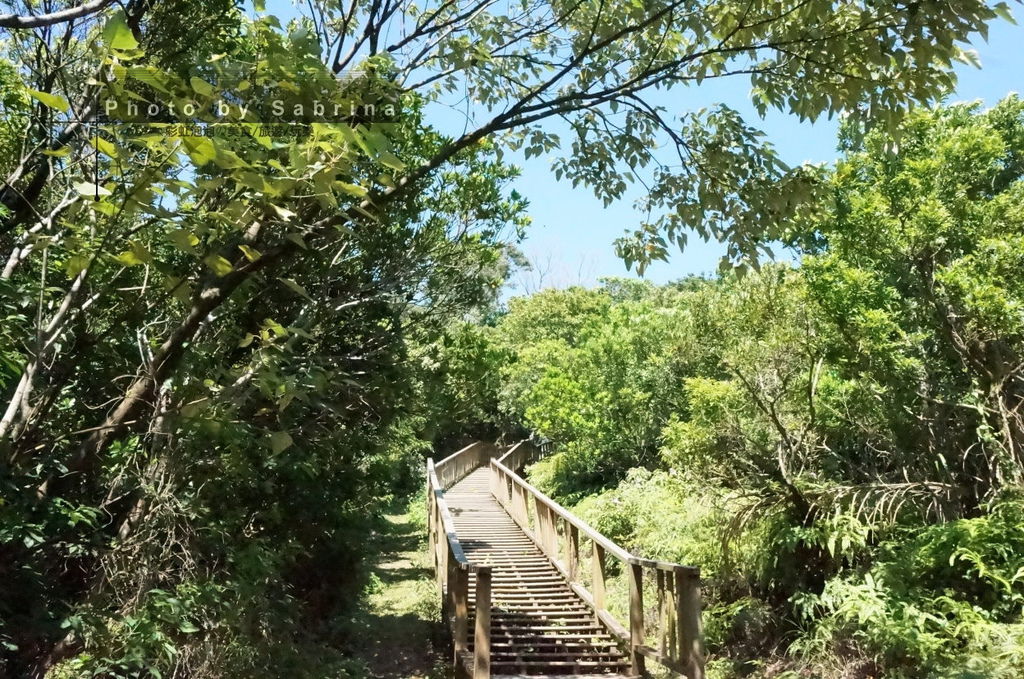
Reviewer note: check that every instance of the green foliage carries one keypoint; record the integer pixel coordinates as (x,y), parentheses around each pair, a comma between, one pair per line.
(206,357)
(460,384)
(836,442)
(14,108)
(912,274)
(218,351)
(945,600)
(661,513)
(600,373)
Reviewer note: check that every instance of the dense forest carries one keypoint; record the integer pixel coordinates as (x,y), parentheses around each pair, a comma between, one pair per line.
(836,441)
(223,354)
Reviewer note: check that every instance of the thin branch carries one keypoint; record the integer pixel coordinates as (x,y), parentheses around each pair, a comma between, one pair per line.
(53,18)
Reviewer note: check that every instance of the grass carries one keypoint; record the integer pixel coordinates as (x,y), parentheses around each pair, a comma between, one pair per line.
(398,633)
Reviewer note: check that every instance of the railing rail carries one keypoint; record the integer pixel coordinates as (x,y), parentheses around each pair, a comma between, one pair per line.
(522,454)
(452,567)
(677,629)
(456,466)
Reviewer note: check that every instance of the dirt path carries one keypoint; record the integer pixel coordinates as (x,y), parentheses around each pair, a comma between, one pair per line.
(398,626)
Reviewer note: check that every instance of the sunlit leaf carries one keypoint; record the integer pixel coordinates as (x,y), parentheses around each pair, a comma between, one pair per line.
(51,100)
(116,33)
(280,441)
(218,264)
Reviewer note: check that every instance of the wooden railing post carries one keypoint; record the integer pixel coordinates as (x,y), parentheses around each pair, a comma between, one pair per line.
(691,636)
(447,595)
(672,610)
(662,613)
(519,504)
(597,574)
(482,633)
(460,587)
(573,536)
(545,529)
(440,547)
(538,527)
(636,618)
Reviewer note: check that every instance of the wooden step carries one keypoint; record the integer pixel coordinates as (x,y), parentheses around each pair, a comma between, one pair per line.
(557,666)
(547,644)
(564,637)
(539,625)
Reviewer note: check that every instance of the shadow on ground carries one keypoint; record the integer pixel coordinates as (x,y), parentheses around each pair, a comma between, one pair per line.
(398,632)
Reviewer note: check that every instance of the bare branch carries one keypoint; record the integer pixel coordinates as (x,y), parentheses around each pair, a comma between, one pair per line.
(36,20)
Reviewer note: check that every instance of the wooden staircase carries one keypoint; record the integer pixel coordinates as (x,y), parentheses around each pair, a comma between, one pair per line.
(514,589)
(538,624)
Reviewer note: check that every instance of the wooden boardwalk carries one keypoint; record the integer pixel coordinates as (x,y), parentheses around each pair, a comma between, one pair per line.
(538,624)
(524,597)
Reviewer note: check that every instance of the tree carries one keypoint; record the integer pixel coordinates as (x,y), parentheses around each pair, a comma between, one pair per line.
(911,263)
(153,276)
(837,438)
(206,377)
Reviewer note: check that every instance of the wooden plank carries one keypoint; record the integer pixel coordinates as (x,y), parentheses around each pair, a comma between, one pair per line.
(574,553)
(598,575)
(691,637)
(636,617)
(482,633)
(461,586)
(662,615)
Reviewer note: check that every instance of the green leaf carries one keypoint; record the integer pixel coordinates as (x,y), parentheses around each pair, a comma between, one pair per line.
(103,146)
(1002,10)
(283,213)
(219,265)
(50,100)
(252,254)
(103,207)
(392,161)
(280,441)
(970,57)
(270,325)
(298,240)
(90,189)
(128,258)
(201,86)
(352,189)
(179,288)
(229,160)
(183,239)
(117,35)
(138,254)
(76,264)
(200,149)
(295,287)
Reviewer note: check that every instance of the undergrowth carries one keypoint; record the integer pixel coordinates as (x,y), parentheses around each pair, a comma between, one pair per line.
(911,601)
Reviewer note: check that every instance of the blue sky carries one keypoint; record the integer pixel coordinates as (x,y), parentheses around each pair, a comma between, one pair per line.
(571,239)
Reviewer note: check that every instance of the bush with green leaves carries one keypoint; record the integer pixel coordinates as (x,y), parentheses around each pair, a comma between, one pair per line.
(945,600)
(836,441)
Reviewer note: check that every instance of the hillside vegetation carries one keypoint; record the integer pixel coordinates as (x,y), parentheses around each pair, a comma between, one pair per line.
(838,442)
(230,336)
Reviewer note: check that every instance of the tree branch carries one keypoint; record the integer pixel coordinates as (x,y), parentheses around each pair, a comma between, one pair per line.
(37,20)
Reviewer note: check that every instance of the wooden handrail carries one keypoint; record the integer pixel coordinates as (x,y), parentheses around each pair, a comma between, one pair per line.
(456,466)
(453,571)
(557,532)
(522,454)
